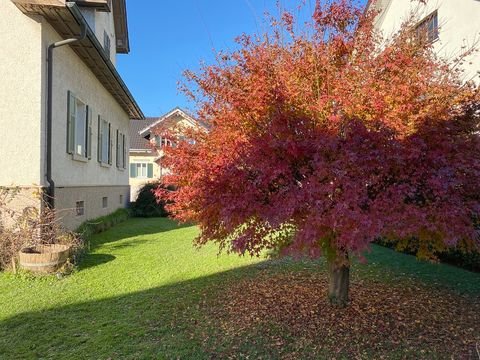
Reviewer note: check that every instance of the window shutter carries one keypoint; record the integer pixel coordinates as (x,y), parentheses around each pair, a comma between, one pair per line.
(100,137)
(89,137)
(118,149)
(71,110)
(133,170)
(124,142)
(150,171)
(110,149)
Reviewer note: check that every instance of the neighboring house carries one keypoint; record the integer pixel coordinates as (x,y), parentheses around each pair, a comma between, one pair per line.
(452,25)
(146,146)
(143,167)
(65,112)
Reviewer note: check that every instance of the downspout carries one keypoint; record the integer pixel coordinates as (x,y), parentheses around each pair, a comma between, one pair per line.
(51,184)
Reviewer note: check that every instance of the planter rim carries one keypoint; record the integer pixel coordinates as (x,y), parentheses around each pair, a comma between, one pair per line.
(45,249)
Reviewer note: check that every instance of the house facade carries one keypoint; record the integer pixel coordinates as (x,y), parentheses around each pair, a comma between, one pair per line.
(452,26)
(146,148)
(142,158)
(64,109)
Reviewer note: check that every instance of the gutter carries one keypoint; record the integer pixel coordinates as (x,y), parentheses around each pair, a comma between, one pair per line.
(50,200)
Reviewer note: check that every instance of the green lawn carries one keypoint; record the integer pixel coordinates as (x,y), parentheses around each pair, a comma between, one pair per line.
(144,292)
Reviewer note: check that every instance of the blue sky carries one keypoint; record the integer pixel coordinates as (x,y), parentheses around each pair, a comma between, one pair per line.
(167,37)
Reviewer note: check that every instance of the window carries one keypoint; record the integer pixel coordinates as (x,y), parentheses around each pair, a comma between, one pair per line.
(121,151)
(188,140)
(79,128)
(141,170)
(121,200)
(80,208)
(105,141)
(161,141)
(106,43)
(105,202)
(427,30)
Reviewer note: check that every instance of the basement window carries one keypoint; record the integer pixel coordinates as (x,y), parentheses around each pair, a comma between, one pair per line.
(80,208)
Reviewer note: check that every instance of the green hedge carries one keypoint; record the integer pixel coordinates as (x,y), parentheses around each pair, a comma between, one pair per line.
(469,261)
(456,257)
(147,205)
(98,225)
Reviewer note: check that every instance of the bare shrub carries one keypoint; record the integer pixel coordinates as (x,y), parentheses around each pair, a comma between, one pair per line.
(29,226)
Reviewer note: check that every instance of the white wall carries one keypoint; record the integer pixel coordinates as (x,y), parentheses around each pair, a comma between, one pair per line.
(104,22)
(21,107)
(71,74)
(100,22)
(459,22)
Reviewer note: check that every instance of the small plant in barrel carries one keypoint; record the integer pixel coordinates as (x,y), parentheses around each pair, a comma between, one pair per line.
(30,232)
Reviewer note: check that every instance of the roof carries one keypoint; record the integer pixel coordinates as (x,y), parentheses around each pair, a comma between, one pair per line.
(175,111)
(138,142)
(66,19)
(121,26)
(119,18)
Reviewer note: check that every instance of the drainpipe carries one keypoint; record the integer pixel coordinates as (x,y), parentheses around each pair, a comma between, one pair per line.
(51,184)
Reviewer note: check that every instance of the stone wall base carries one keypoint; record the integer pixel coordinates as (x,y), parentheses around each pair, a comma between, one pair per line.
(97,201)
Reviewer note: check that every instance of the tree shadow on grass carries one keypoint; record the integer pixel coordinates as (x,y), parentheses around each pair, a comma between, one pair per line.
(93,260)
(184,319)
(157,323)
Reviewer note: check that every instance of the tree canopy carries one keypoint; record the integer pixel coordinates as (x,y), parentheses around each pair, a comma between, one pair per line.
(325,138)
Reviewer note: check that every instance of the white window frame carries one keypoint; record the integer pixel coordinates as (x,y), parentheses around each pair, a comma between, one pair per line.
(143,166)
(79,128)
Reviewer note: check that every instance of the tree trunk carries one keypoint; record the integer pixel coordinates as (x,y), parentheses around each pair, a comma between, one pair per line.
(339,282)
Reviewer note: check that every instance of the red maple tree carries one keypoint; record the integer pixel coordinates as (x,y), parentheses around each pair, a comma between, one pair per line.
(325,139)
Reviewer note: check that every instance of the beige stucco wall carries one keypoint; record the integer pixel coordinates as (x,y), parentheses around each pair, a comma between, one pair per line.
(25,197)
(21,105)
(24,42)
(137,183)
(459,22)
(71,74)
(99,22)
(104,22)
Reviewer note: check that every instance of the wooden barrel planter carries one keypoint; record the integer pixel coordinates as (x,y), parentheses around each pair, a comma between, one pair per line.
(44,259)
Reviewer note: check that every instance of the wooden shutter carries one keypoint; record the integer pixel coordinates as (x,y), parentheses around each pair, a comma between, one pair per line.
(124,142)
(118,149)
(133,170)
(89,137)
(110,149)
(71,111)
(150,171)
(100,139)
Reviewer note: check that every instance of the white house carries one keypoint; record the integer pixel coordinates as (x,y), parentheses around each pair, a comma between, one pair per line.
(451,25)
(64,109)
(146,147)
